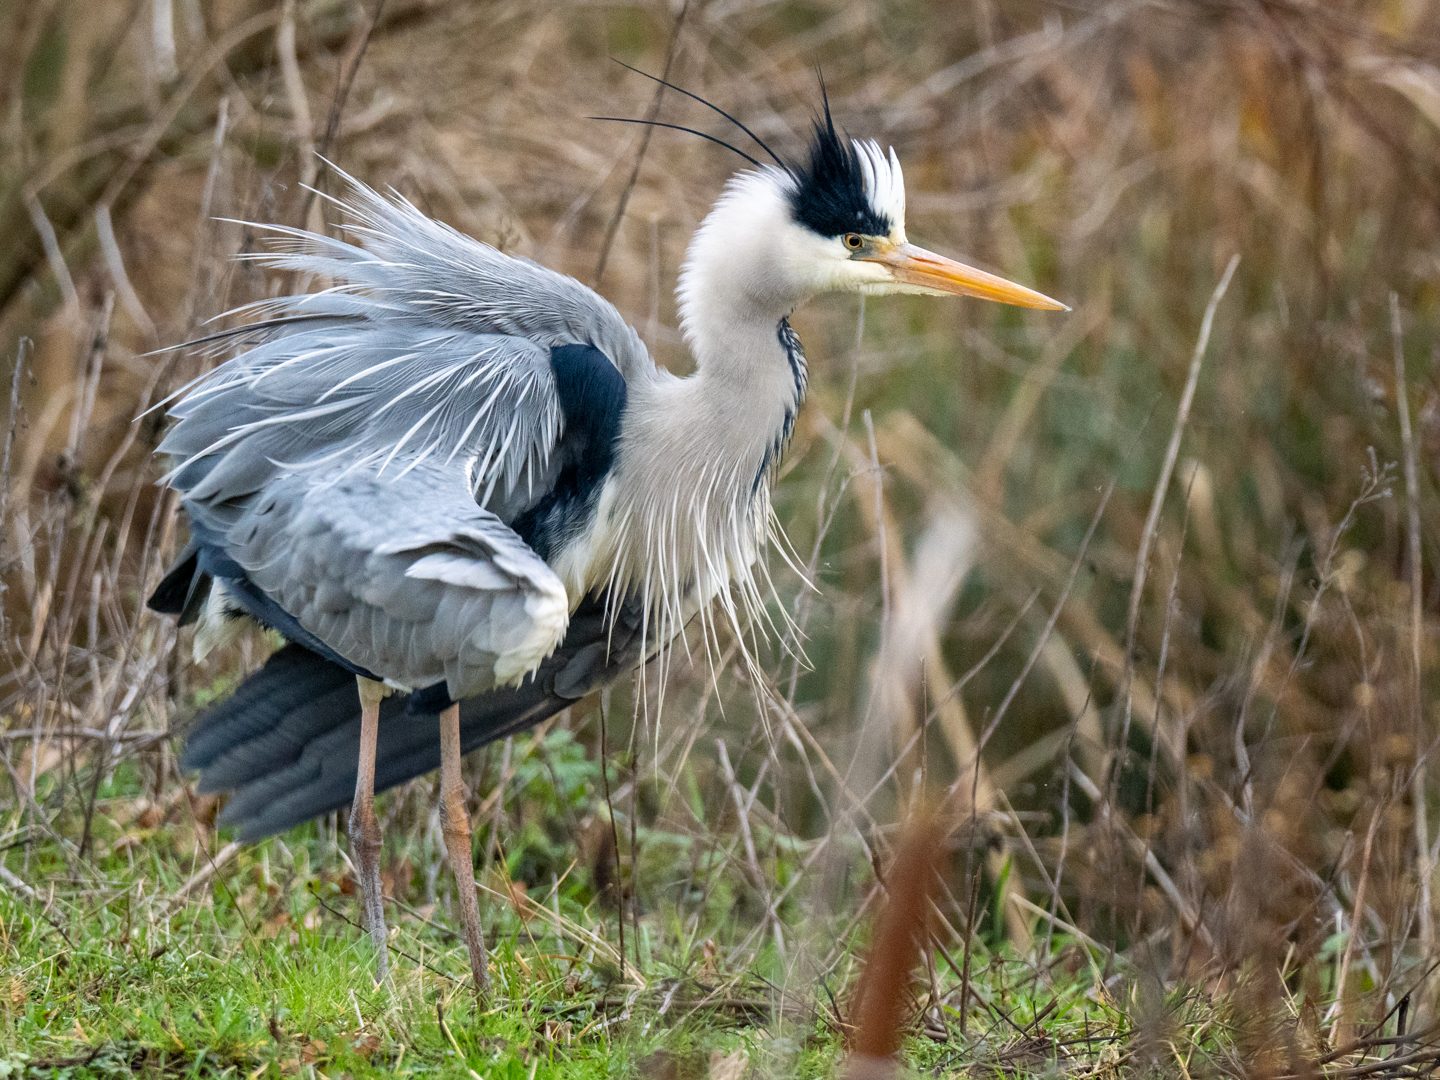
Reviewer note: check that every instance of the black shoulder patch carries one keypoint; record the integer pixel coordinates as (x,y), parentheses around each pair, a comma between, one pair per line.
(830,197)
(184,587)
(592,398)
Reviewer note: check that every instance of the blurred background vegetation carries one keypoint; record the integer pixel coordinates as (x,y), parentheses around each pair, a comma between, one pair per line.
(1173,676)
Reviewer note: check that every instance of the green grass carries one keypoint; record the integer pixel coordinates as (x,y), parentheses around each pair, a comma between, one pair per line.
(203,994)
(111,968)
(263,971)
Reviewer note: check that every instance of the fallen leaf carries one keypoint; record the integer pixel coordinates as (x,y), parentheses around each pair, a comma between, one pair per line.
(710,965)
(661,1065)
(272,926)
(730,1066)
(205,807)
(395,879)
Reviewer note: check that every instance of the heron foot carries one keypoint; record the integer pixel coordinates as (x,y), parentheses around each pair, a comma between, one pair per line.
(455,827)
(365,838)
(365,844)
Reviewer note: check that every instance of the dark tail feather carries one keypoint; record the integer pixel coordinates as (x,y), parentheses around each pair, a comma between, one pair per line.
(267,722)
(286,744)
(184,587)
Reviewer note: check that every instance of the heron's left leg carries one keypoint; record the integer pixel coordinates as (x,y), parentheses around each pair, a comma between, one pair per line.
(455,824)
(365,826)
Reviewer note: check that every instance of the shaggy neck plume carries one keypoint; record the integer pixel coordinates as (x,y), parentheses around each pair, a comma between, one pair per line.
(688,514)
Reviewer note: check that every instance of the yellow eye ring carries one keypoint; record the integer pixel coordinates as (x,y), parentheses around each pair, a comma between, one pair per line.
(854,241)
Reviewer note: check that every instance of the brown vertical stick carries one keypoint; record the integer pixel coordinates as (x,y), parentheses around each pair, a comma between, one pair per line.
(455,825)
(1152,520)
(1344,1031)
(365,826)
(1416,557)
(878,1012)
(619,215)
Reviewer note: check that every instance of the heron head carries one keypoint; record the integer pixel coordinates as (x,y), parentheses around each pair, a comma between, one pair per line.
(783,233)
(847,229)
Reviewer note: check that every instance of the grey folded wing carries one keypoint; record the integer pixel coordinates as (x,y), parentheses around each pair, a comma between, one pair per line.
(428,344)
(402,574)
(354,391)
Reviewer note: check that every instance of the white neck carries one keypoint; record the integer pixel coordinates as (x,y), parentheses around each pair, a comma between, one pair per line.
(736,286)
(686,513)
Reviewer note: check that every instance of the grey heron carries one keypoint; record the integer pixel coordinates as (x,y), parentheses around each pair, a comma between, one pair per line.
(457,475)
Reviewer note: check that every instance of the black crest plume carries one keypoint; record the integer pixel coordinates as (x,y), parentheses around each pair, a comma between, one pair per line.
(830,197)
(691,131)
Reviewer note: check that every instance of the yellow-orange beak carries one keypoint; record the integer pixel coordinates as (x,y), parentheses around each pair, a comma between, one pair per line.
(911,265)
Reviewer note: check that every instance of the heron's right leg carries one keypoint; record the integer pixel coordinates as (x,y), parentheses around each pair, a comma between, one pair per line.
(365,826)
(455,824)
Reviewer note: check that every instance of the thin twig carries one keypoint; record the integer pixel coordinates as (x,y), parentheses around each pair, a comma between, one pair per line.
(969,936)
(649,129)
(398,951)
(1412,500)
(302,125)
(14,881)
(879,518)
(204,225)
(1170,604)
(1035,652)
(1355,918)
(142,738)
(53,255)
(115,263)
(353,59)
(12,424)
(201,876)
(194,76)
(1189,917)
(1157,501)
(610,813)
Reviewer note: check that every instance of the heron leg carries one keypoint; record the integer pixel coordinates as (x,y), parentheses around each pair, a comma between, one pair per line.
(455,825)
(365,826)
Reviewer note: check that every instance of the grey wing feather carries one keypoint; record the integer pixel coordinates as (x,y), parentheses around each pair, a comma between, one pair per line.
(405,576)
(371,396)
(423,270)
(428,346)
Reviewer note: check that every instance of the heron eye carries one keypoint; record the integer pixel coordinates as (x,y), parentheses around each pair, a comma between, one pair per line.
(854,241)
